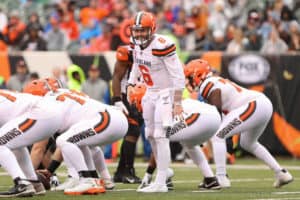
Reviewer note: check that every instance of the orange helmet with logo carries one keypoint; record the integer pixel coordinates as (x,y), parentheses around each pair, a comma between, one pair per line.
(196,71)
(37,87)
(142,28)
(53,83)
(136,96)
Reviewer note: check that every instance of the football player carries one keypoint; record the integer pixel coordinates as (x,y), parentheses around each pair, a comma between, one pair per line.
(87,123)
(190,134)
(155,59)
(125,171)
(247,112)
(29,123)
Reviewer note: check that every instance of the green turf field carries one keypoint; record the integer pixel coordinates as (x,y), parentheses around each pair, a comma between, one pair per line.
(250,179)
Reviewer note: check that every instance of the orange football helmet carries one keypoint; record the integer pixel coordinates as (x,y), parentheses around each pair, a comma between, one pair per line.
(37,87)
(53,83)
(136,96)
(196,71)
(142,28)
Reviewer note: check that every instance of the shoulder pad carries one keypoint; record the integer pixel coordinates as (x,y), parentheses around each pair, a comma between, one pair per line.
(163,46)
(123,54)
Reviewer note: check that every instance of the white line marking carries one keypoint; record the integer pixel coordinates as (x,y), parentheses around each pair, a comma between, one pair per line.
(287,198)
(205,191)
(283,193)
(122,190)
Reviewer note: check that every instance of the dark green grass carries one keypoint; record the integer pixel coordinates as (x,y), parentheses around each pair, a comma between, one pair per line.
(250,180)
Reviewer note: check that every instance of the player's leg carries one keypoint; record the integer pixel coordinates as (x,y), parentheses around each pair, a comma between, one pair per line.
(37,152)
(101,167)
(19,133)
(74,157)
(161,148)
(88,157)
(25,163)
(125,171)
(219,154)
(22,187)
(198,157)
(249,142)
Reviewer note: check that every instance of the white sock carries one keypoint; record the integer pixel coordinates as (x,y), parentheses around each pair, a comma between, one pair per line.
(100,164)
(9,162)
(200,160)
(88,157)
(24,160)
(163,160)
(219,152)
(262,153)
(73,156)
(72,172)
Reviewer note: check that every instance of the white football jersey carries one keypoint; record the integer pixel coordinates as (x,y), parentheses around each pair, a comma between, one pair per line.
(158,64)
(194,106)
(75,106)
(232,95)
(13,104)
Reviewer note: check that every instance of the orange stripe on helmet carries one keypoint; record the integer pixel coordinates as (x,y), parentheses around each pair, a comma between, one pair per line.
(207,89)
(249,111)
(103,124)
(192,118)
(26,125)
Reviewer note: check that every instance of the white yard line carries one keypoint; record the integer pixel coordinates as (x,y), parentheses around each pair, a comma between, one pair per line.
(235,166)
(280,198)
(284,193)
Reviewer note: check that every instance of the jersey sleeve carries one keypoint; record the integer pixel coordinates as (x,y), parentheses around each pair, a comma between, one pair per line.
(208,86)
(163,47)
(124,54)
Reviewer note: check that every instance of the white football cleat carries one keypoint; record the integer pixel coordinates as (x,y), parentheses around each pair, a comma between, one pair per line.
(146,181)
(70,182)
(86,186)
(224,181)
(282,177)
(108,184)
(154,187)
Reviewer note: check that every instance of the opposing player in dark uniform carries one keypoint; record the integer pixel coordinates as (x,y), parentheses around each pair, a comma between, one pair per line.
(125,171)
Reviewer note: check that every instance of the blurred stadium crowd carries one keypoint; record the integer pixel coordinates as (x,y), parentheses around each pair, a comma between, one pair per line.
(92,26)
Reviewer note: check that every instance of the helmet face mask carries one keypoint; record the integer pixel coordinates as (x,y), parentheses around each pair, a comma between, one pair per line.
(141,35)
(54,83)
(142,28)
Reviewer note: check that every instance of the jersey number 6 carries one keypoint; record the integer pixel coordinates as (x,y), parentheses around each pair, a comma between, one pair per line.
(146,75)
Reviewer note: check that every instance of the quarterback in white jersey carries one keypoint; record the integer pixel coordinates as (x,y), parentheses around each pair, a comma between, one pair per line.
(155,59)
(29,123)
(201,122)
(246,112)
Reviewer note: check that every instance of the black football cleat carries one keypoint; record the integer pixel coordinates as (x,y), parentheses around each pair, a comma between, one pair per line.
(22,188)
(209,183)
